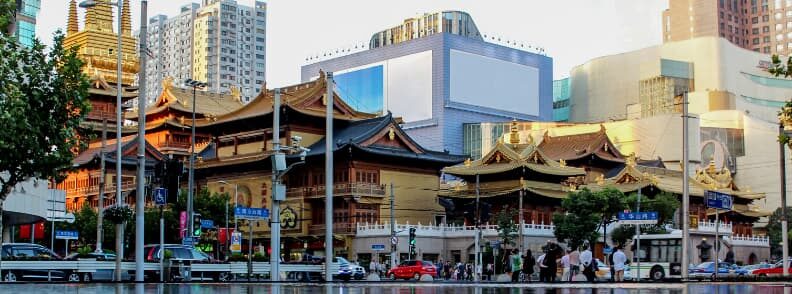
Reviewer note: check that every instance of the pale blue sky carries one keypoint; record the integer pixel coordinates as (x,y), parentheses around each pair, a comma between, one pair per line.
(572,31)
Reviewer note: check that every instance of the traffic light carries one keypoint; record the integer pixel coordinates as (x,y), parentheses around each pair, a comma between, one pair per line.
(412,239)
(196,225)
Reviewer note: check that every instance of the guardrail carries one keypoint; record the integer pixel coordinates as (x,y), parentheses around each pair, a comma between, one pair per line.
(378,230)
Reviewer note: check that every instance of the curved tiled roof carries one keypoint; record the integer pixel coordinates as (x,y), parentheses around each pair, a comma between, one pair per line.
(573,147)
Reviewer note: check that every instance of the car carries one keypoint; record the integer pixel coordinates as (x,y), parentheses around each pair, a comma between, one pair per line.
(772,271)
(181,254)
(37,252)
(603,272)
(751,268)
(412,269)
(706,270)
(100,274)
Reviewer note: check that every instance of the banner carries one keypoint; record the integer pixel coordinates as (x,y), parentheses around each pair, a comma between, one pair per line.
(182,223)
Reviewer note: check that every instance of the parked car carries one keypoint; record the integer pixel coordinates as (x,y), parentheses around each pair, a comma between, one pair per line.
(37,252)
(412,269)
(357,272)
(100,275)
(603,272)
(751,268)
(181,254)
(772,271)
(706,270)
(345,270)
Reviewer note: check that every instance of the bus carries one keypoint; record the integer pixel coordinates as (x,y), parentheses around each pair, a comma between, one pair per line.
(660,256)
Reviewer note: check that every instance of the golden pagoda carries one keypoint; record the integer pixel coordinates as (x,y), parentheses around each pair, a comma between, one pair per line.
(98,43)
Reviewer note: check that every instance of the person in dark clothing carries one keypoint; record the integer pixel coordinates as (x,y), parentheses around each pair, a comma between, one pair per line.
(528,265)
(612,270)
(729,256)
(551,260)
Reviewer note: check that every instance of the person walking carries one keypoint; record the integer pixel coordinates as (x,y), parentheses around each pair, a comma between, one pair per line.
(565,266)
(574,264)
(373,267)
(610,264)
(528,265)
(589,265)
(516,265)
(619,261)
(553,254)
(542,267)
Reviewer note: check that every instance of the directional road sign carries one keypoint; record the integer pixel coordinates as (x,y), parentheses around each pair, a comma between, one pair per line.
(66,235)
(251,213)
(638,218)
(394,240)
(188,241)
(719,200)
(207,224)
(378,247)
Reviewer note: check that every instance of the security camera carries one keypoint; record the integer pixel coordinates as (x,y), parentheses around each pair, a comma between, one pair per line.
(296,140)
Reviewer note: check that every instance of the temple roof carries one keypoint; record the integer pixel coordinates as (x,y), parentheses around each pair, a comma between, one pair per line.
(129,146)
(307,98)
(573,147)
(207,104)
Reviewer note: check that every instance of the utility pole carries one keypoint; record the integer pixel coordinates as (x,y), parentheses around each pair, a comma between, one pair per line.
(102,176)
(784,225)
(140,201)
(522,222)
(275,217)
(476,261)
(637,252)
(392,229)
(329,147)
(119,121)
(685,190)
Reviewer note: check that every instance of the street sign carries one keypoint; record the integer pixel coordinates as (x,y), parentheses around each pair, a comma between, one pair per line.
(378,247)
(161,196)
(251,213)
(236,242)
(188,241)
(394,240)
(638,218)
(719,200)
(66,235)
(207,224)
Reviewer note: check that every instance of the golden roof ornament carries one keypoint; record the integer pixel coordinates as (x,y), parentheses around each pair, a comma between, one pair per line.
(600,179)
(391,134)
(514,135)
(181,120)
(236,93)
(530,139)
(498,157)
(630,160)
(468,162)
(167,83)
(562,162)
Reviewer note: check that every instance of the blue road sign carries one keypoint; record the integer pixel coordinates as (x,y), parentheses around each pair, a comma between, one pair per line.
(161,196)
(66,235)
(718,200)
(378,247)
(207,224)
(251,213)
(188,241)
(638,218)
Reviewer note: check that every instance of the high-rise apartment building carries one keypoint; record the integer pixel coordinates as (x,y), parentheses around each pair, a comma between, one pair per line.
(25,26)
(760,25)
(220,42)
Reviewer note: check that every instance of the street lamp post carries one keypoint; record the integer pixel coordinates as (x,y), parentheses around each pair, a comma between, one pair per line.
(191,175)
(228,237)
(784,225)
(119,121)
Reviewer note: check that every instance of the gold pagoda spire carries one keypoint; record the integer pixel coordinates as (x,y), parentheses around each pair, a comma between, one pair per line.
(126,24)
(100,17)
(72,27)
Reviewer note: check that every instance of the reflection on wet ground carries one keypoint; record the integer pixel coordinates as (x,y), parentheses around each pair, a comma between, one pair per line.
(401,288)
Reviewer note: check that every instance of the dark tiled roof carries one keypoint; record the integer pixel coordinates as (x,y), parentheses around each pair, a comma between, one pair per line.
(572,147)
(127,143)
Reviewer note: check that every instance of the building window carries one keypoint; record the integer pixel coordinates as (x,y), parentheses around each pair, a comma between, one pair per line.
(765,29)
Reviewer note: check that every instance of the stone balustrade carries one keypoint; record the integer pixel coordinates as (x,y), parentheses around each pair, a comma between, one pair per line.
(444,230)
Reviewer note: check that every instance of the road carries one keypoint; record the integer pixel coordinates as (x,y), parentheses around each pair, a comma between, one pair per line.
(399,288)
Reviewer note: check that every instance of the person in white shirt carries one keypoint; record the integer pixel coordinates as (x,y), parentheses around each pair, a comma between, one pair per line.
(565,266)
(589,266)
(542,268)
(619,260)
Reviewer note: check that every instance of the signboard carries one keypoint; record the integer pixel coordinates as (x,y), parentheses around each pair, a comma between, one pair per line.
(394,240)
(188,241)
(236,242)
(638,218)
(66,235)
(161,196)
(182,223)
(693,222)
(378,247)
(207,224)
(718,200)
(251,213)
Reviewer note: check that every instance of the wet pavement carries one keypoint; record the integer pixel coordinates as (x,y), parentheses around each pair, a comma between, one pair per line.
(402,288)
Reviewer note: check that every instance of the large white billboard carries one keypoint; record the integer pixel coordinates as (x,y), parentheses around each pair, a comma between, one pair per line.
(494,83)
(402,85)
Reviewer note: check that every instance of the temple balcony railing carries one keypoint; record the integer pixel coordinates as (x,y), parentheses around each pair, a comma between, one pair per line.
(338,228)
(94,189)
(339,189)
(745,240)
(444,230)
(709,227)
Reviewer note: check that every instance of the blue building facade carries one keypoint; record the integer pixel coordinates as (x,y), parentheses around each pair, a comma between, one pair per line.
(27,10)
(440,82)
(561,96)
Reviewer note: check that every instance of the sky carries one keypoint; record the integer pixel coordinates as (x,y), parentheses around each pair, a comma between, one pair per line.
(571,31)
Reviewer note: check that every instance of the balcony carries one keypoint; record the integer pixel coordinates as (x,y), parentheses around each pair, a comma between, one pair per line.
(338,228)
(341,189)
(443,231)
(709,227)
(94,189)
(754,241)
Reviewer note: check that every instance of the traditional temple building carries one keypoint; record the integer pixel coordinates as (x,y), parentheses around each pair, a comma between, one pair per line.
(370,154)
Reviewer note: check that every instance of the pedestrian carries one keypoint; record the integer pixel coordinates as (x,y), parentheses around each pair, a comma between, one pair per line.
(528,265)
(610,264)
(574,264)
(373,267)
(542,267)
(589,265)
(619,261)
(553,254)
(565,266)
(729,256)
(516,265)
(448,270)
(460,271)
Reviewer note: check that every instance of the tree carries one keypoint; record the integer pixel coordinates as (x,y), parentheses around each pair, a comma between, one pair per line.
(774,231)
(507,228)
(622,234)
(7,15)
(665,204)
(579,220)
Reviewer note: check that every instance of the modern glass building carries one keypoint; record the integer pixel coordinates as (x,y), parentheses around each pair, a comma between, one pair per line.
(561,100)
(27,10)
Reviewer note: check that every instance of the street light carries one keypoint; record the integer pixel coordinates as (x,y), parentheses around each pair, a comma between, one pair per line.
(236,194)
(784,226)
(191,176)
(119,121)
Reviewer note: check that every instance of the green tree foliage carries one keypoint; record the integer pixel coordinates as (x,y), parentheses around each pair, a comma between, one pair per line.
(579,221)
(780,68)
(7,11)
(507,228)
(622,234)
(665,204)
(774,231)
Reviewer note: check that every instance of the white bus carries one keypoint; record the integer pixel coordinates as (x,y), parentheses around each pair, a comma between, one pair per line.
(660,256)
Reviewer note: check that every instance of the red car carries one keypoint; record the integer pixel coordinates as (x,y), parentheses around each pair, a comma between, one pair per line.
(412,269)
(774,271)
